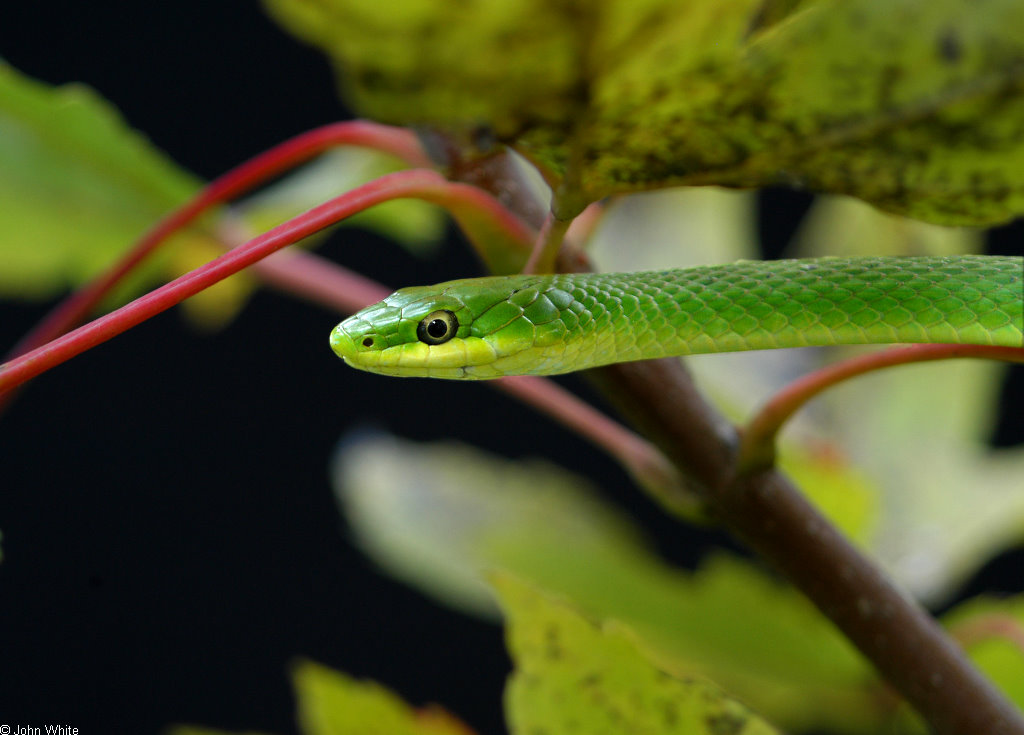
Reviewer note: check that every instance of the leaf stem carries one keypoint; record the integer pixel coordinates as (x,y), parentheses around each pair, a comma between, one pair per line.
(646,465)
(549,242)
(234,183)
(465,202)
(320,281)
(757,438)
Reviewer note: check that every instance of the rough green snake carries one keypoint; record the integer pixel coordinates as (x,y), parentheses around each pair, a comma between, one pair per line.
(541,325)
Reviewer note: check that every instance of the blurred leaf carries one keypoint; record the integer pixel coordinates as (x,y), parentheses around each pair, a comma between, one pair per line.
(678,228)
(430,514)
(332,703)
(622,96)
(843,492)
(77,187)
(437,515)
(849,227)
(682,227)
(573,677)
(948,502)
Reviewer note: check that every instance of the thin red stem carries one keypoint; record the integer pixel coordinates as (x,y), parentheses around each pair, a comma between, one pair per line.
(583,226)
(757,445)
(644,462)
(397,141)
(418,183)
(320,281)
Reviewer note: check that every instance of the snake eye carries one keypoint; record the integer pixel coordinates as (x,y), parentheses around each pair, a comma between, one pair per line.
(437,327)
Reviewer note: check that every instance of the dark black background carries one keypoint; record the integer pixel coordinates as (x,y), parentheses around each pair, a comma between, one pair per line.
(170,540)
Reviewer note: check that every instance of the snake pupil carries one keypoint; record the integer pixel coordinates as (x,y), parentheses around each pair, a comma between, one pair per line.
(437,327)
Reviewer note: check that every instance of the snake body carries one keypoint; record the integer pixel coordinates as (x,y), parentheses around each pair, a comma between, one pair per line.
(541,325)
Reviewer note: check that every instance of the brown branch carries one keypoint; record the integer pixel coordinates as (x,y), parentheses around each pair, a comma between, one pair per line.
(772,516)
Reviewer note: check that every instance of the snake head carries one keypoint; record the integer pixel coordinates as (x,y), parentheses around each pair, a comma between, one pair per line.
(419,332)
(470,329)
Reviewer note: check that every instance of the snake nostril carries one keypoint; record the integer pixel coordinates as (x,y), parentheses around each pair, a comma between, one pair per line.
(368,342)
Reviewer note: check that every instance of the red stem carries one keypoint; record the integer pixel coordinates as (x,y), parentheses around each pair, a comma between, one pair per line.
(318,280)
(397,141)
(757,445)
(418,183)
(645,464)
(583,226)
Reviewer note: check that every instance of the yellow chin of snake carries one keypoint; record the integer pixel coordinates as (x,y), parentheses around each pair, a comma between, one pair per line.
(470,358)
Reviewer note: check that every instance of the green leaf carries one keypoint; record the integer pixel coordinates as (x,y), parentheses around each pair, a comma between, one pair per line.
(847,495)
(574,677)
(432,515)
(620,95)
(438,515)
(77,186)
(332,703)
(838,98)
(946,502)
(844,226)
(507,64)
